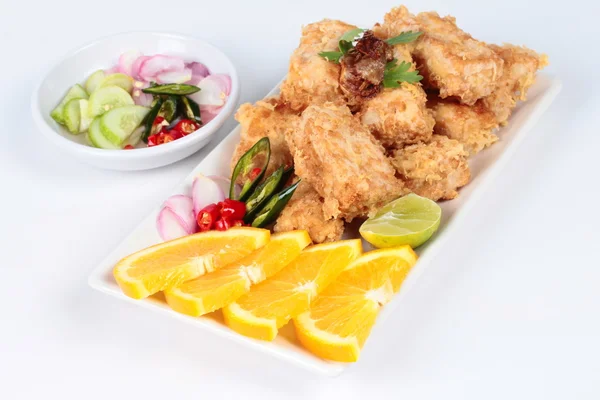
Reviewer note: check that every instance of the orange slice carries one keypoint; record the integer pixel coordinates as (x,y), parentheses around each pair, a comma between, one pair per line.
(271,304)
(169,264)
(340,319)
(215,290)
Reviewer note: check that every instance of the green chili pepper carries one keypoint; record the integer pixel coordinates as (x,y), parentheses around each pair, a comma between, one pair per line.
(245,165)
(172,88)
(274,206)
(191,109)
(150,117)
(262,194)
(287,174)
(169,108)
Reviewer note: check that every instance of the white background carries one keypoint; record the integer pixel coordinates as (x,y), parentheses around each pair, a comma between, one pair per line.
(510,311)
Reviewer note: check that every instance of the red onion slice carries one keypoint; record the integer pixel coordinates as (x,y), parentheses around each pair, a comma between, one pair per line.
(214,90)
(175,76)
(158,64)
(199,71)
(127,60)
(205,191)
(136,66)
(169,225)
(183,207)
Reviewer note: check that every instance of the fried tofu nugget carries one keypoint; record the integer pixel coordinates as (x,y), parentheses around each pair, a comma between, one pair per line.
(341,160)
(311,79)
(434,170)
(395,22)
(453,62)
(470,125)
(266,118)
(305,211)
(398,116)
(520,67)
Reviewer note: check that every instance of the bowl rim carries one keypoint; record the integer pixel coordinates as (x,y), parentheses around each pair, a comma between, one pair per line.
(201,134)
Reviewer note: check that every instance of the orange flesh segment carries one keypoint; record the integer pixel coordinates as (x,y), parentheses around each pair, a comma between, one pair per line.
(341,318)
(215,290)
(169,264)
(272,303)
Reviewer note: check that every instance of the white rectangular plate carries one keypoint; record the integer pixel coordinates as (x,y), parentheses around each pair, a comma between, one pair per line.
(484,167)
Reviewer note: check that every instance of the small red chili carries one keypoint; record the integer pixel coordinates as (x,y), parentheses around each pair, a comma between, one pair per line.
(238,222)
(222,224)
(233,209)
(166,138)
(153,140)
(128,147)
(158,125)
(175,134)
(207,217)
(254,173)
(186,126)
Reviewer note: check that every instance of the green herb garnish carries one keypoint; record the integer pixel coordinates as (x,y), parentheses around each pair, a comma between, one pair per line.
(396,73)
(404,37)
(332,56)
(351,34)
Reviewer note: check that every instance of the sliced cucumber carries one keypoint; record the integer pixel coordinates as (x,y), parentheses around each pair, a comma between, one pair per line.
(75,92)
(121,80)
(108,97)
(93,82)
(72,116)
(96,137)
(85,117)
(118,124)
(135,137)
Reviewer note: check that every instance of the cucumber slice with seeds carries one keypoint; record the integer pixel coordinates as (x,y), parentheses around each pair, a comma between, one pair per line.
(75,92)
(107,98)
(84,114)
(96,137)
(72,116)
(93,82)
(119,123)
(121,80)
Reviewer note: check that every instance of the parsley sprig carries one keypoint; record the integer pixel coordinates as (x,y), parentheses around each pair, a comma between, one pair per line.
(394,72)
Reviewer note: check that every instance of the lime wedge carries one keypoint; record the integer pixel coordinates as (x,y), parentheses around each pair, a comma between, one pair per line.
(408,220)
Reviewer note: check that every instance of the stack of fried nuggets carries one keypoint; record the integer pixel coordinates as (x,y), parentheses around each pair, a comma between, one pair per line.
(414,138)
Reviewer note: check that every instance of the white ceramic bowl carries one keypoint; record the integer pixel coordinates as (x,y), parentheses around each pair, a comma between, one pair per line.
(104,53)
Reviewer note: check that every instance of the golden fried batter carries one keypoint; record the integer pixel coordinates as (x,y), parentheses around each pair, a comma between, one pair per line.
(265,118)
(520,67)
(305,211)
(453,62)
(338,156)
(470,125)
(395,22)
(398,116)
(312,79)
(434,170)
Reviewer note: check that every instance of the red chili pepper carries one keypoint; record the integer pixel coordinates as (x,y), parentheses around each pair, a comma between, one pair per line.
(128,147)
(153,140)
(233,209)
(222,224)
(238,222)
(166,138)
(186,126)
(254,173)
(175,134)
(207,217)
